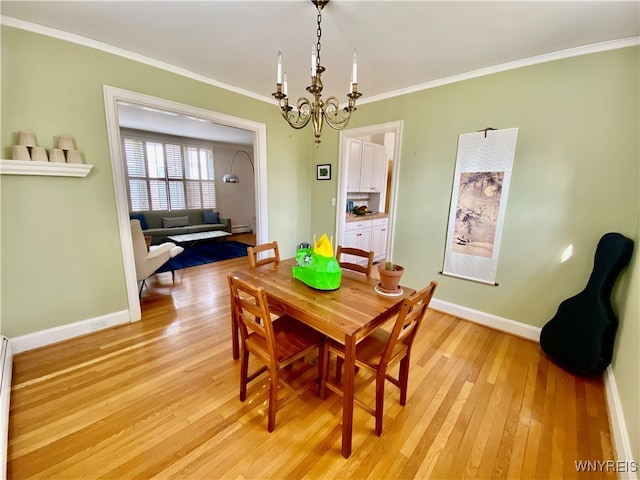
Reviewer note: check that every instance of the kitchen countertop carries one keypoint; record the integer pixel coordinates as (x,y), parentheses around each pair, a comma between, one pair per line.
(357,218)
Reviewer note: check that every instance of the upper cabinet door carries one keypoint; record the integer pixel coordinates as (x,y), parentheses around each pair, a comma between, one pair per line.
(379,174)
(368,160)
(367,166)
(354,166)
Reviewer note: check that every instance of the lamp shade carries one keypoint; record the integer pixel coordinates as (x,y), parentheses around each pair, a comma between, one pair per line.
(231,178)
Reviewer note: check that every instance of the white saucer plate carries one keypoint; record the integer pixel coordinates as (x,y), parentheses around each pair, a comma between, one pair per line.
(388,294)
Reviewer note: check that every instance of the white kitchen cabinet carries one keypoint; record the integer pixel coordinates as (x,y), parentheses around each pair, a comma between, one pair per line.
(379,183)
(379,230)
(367,235)
(354,165)
(366,169)
(373,173)
(357,235)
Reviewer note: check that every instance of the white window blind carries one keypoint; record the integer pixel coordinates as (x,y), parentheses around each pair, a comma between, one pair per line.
(168,175)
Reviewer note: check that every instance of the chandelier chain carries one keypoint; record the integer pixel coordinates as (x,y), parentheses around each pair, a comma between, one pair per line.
(319,33)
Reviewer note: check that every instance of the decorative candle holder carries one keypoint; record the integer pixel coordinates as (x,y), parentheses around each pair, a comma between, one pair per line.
(39,154)
(66,142)
(27,139)
(20,152)
(56,155)
(74,156)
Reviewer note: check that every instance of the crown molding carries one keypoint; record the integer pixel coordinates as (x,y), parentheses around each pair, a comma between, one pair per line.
(525,62)
(548,57)
(121,52)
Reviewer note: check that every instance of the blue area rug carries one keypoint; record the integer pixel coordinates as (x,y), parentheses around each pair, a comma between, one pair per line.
(206,252)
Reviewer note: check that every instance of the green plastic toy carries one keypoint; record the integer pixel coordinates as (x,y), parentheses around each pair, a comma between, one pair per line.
(318,267)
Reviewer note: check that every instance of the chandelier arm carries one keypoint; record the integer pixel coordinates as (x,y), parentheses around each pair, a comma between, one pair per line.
(336,117)
(299,117)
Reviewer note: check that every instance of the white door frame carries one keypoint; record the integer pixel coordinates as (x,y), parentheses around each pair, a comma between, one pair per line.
(395,127)
(112,96)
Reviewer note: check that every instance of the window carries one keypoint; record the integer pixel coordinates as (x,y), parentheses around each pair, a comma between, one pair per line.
(167,174)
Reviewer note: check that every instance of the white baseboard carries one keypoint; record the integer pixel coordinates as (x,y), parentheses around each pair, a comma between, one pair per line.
(619,432)
(6,363)
(66,332)
(493,321)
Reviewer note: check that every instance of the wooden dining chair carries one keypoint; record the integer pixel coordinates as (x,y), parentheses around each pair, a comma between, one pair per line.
(252,253)
(377,353)
(351,265)
(276,344)
(272,248)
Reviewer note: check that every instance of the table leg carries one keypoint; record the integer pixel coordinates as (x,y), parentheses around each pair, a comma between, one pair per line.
(348,391)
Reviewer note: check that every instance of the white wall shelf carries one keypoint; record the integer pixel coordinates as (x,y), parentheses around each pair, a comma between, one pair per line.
(26,167)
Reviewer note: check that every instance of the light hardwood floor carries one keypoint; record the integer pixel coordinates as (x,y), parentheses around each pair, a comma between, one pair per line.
(159,399)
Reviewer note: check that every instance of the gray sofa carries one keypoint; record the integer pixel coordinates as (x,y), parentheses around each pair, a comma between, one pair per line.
(160,224)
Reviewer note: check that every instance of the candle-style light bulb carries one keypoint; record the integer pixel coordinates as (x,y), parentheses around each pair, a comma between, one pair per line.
(314,54)
(279,74)
(354,71)
(284,86)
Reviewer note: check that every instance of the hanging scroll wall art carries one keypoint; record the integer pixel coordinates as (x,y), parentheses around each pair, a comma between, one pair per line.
(478,204)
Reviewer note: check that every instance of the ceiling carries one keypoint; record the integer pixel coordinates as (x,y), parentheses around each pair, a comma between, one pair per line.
(402,45)
(171,123)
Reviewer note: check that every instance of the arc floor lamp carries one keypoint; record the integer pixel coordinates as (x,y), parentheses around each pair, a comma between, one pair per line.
(232,177)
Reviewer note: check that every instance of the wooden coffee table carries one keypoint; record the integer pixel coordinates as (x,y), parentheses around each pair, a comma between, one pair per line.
(195,237)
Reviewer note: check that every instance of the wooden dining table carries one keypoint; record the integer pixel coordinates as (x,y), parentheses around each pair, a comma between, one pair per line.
(347,315)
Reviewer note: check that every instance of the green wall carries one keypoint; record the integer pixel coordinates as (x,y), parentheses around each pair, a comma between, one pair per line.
(60,247)
(576,176)
(626,359)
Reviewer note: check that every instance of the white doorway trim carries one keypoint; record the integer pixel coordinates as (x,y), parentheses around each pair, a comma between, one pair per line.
(395,127)
(112,96)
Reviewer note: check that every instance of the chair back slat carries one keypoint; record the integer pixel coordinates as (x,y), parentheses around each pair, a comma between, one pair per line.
(253,253)
(251,311)
(409,319)
(357,252)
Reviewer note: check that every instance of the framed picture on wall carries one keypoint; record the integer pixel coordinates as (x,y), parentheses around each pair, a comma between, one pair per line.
(324,172)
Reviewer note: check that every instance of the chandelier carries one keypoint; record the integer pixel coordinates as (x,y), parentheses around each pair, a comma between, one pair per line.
(317,111)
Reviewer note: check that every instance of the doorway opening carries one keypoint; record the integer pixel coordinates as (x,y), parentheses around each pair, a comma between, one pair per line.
(390,136)
(117,101)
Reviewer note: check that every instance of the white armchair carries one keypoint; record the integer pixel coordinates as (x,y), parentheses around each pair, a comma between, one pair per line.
(149,260)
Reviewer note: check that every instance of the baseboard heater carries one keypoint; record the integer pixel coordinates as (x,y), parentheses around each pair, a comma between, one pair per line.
(240,229)
(5,397)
